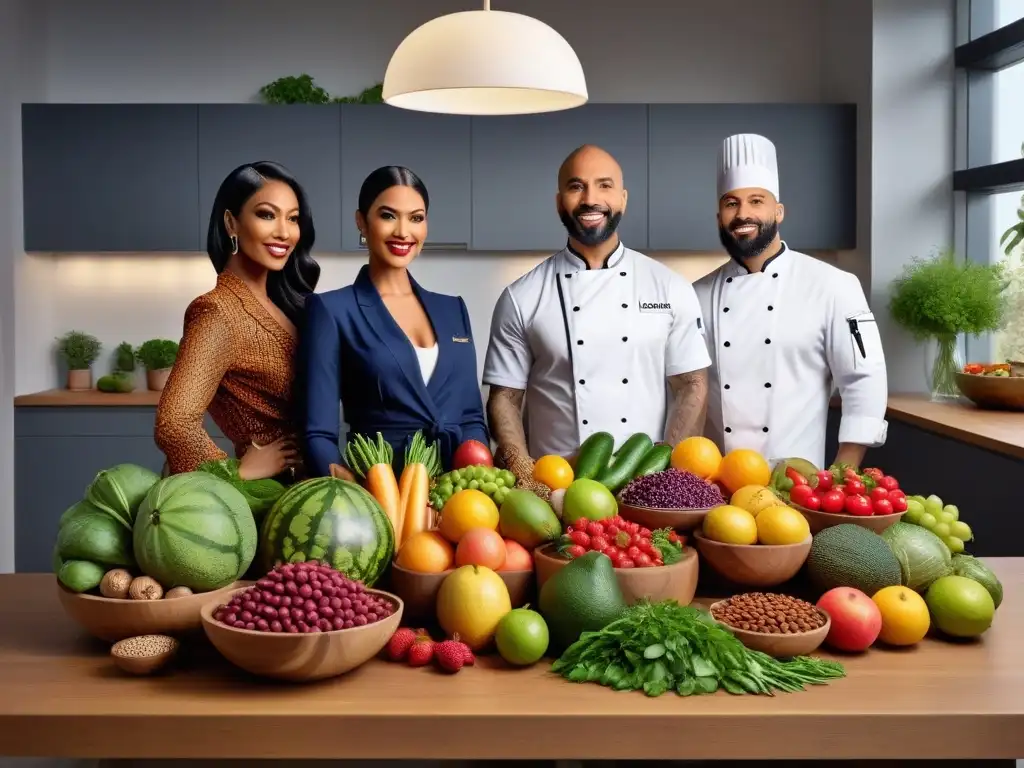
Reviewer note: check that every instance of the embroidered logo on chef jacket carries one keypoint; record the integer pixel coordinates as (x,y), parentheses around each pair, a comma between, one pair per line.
(656,306)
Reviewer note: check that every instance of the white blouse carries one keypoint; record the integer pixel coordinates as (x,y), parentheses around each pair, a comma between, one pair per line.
(427,359)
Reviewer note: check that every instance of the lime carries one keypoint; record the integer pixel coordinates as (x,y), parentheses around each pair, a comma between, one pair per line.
(960,607)
(522,637)
(590,499)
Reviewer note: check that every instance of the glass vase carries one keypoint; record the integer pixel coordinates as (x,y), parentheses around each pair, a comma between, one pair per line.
(944,361)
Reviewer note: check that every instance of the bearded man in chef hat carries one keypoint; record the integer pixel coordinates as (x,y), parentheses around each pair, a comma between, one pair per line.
(784,329)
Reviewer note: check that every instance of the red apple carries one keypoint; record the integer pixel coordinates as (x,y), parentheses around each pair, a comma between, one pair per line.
(856,620)
(472,453)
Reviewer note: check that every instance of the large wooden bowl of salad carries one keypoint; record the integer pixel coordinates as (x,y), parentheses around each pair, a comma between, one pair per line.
(997,387)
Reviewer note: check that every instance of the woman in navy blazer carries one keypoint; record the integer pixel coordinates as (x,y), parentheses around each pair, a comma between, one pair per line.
(398,358)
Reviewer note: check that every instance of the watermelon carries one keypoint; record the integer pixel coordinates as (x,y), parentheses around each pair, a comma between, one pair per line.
(331,520)
(194,530)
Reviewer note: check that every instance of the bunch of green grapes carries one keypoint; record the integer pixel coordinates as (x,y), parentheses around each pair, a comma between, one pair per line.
(941,519)
(496,483)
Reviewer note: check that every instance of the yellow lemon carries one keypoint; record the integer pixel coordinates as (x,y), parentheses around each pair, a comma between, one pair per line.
(755,498)
(782,525)
(905,617)
(730,525)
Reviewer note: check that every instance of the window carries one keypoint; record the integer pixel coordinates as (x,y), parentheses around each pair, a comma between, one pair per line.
(989,179)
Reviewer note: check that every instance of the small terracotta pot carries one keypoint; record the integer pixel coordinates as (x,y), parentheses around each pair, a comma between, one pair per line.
(155,380)
(79,380)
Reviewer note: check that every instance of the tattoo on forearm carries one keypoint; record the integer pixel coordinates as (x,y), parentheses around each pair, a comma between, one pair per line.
(689,406)
(505,418)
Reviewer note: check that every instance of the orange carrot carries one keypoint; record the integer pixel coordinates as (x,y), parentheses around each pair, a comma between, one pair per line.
(372,462)
(415,487)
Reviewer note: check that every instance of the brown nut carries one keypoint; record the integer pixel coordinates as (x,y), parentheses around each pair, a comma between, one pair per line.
(115,584)
(769,613)
(174,592)
(145,588)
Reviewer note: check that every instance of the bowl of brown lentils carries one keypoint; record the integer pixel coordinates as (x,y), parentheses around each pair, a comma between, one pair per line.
(779,625)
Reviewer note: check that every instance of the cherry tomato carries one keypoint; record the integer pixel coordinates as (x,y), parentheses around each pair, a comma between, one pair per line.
(644,561)
(626,563)
(889,483)
(825,480)
(899,503)
(882,506)
(833,502)
(800,494)
(598,543)
(813,503)
(858,505)
(576,551)
(854,488)
(896,493)
(878,492)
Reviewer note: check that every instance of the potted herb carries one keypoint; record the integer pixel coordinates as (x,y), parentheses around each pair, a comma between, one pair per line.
(941,298)
(157,356)
(121,378)
(79,351)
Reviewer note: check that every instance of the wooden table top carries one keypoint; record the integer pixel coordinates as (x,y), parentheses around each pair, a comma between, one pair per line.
(61,696)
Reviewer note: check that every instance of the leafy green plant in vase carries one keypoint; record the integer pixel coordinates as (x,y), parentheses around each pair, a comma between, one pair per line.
(157,356)
(121,378)
(942,298)
(79,351)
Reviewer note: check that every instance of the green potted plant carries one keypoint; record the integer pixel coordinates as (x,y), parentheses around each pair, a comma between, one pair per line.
(157,356)
(121,378)
(941,298)
(79,351)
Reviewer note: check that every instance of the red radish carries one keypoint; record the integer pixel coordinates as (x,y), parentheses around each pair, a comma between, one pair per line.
(472,453)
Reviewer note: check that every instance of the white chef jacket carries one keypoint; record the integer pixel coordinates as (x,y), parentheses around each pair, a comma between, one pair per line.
(593,348)
(780,340)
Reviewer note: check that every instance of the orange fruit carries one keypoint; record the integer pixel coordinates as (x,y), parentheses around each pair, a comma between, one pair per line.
(554,471)
(905,615)
(465,510)
(426,552)
(698,455)
(482,546)
(743,466)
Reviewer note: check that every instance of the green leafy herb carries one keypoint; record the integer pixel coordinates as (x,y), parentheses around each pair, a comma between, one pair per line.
(261,494)
(671,551)
(157,354)
(302,89)
(662,647)
(79,349)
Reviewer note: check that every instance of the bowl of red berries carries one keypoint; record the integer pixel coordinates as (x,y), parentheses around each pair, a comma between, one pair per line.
(657,565)
(302,622)
(842,494)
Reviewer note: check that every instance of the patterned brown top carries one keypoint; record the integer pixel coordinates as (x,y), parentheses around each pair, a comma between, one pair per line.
(235,361)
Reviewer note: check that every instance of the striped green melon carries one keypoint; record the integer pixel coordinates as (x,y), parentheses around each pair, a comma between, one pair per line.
(331,520)
(194,530)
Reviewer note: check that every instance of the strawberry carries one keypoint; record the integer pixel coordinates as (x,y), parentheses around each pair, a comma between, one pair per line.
(400,642)
(468,653)
(450,655)
(421,652)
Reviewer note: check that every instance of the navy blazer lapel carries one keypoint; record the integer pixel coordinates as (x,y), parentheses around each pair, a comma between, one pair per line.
(444,331)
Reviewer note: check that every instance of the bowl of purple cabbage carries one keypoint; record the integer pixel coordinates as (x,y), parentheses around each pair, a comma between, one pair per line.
(672,498)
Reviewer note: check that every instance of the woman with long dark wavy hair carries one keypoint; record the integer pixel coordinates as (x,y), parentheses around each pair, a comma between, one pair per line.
(237,354)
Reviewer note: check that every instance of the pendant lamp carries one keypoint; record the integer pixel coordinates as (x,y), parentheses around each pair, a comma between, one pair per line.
(485,63)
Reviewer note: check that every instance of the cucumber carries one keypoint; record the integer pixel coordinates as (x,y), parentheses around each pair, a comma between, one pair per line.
(627,459)
(655,460)
(594,454)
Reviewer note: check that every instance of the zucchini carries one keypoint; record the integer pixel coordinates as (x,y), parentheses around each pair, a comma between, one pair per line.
(627,459)
(655,460)
(594,454)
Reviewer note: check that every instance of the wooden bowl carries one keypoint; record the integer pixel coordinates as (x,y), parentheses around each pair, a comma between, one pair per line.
(419,590)
(144,665)
(819,520)
(665,582)
(780,646)
(300,657)
(681,520)
(753,565)
(997,393)
(114,619)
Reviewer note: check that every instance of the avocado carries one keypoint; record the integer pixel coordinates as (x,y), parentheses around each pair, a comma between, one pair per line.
(584,596)
(527,519)
(847,555)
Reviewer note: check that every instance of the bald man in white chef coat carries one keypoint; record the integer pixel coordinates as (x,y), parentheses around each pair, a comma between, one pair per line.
(596,337)
(784,328)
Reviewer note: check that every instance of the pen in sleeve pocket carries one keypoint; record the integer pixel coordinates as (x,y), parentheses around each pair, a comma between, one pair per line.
(855,331)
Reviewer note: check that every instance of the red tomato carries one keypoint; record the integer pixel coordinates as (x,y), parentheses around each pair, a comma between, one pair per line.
(897,494)
(882,506)
(899,503)
(878,493)
(858,505)
(800,494)
(813,503)
(889,483)
(854,488)
(825,480)
(834,501)
(472,453)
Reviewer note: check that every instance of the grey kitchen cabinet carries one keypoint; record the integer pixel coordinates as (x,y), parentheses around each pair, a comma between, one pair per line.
(817,157)
(57,453)
(515,173)
(435,147)
(110,177)
(301,137)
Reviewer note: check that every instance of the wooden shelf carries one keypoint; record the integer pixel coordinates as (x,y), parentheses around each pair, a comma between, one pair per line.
(88,397)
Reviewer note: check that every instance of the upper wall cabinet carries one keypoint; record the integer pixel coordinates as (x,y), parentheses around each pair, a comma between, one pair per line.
(515,172)
(435,147)
(816,147)
(301,137)
(110,177)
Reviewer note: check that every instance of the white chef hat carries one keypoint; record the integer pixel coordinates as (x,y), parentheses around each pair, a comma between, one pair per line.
(747,160)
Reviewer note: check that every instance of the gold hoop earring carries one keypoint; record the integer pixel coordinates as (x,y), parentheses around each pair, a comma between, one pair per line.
(234,244)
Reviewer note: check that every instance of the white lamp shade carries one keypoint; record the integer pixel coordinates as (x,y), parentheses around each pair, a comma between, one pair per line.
(485,63)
